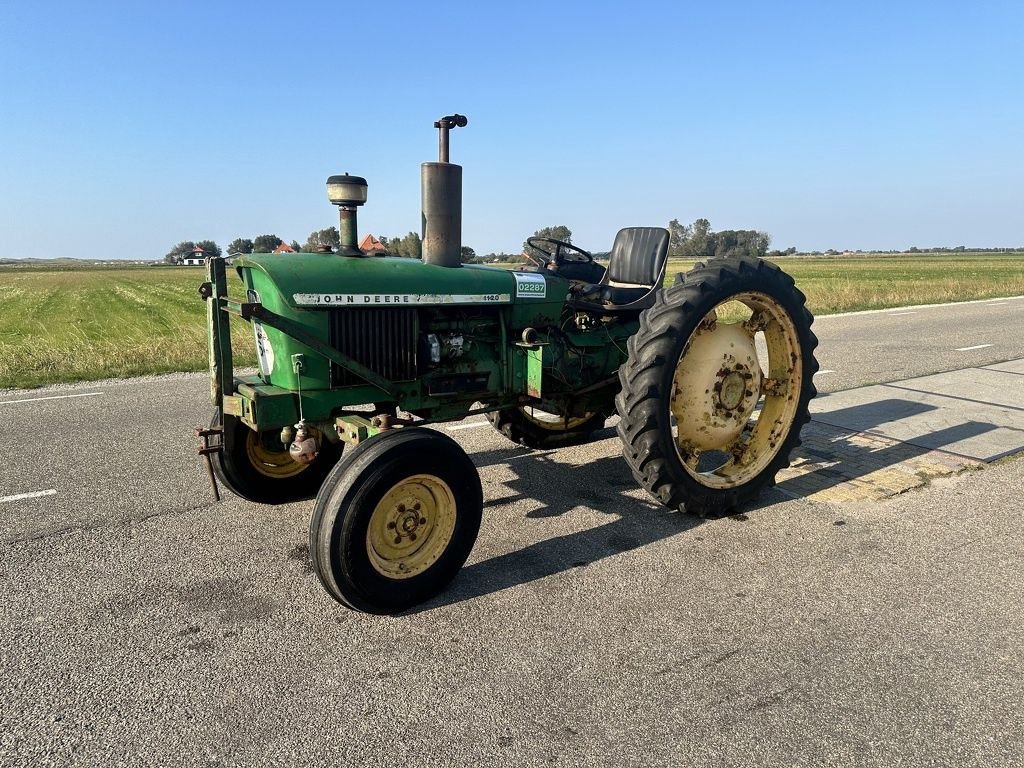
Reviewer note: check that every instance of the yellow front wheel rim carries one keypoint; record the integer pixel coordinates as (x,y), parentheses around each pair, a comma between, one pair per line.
(411,526)
(270,462)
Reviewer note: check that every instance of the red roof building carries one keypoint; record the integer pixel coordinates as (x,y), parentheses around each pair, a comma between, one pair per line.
(371,244)
(284,248)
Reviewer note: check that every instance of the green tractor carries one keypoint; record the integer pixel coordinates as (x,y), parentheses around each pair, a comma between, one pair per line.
(710,378)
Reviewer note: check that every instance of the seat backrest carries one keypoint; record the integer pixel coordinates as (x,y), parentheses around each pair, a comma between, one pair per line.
(638,256)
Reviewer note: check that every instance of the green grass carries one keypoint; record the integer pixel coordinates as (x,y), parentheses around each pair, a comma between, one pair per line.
(61,325)
(87,324)
(846,284)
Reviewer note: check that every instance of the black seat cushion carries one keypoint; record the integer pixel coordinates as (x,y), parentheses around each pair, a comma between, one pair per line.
(638,255)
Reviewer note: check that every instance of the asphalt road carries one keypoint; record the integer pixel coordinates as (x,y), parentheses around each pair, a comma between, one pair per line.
(144,625)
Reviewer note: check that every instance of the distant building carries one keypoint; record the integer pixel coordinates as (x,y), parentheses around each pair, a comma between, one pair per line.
(197,259)
(284,248)
(371,244)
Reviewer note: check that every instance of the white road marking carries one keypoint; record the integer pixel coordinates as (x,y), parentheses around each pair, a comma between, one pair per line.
(469,425)
(997,304)
(899,314)
(824,370)
(32,495)
(51,397)
(968,349)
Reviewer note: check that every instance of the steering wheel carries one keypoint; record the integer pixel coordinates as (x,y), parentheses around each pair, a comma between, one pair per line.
(559,251)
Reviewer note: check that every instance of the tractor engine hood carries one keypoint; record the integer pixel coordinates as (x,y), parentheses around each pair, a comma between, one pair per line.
(319,281)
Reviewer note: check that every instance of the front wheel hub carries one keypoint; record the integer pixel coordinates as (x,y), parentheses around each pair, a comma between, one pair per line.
(411,526)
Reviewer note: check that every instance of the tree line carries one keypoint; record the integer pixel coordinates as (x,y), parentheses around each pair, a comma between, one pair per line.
(698,241)
(687,241)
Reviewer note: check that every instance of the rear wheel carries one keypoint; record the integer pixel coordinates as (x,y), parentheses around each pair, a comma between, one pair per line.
(256,466)
(535,428)
(717,385)
(395,521)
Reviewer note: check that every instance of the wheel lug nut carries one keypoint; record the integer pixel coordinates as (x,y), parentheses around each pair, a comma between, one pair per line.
(401,507)
(398,539)
(423,521)
(412,537)
(391,525)
(416,506)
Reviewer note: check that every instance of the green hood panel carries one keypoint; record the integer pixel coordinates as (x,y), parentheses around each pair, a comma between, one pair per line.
(322,281)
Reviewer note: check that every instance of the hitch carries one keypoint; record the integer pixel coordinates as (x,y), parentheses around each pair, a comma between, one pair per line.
(206,449)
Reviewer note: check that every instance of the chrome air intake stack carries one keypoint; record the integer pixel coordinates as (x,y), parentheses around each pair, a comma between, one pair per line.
(441,184)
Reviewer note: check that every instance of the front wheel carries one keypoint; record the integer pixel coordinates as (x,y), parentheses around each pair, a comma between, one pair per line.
(256,466)
(395,521)
(717,385)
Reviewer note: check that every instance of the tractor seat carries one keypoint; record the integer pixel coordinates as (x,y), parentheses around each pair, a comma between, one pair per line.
(636,268)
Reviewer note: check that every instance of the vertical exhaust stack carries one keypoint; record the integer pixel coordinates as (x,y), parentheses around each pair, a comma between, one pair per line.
(442,201)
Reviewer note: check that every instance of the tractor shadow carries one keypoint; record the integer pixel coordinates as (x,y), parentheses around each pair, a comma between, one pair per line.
(840,448)
(553,484)
(604,485)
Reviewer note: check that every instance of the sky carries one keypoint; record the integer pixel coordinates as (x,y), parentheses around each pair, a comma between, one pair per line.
(128,127)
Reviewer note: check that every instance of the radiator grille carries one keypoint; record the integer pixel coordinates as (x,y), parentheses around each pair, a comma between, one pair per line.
(384,340)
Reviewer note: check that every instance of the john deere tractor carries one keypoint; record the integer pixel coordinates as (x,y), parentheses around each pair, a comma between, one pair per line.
(360,354)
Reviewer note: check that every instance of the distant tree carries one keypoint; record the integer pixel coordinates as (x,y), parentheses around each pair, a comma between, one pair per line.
(209,247)
(561,232)
(739,242)
(295,246)
(468,254)
(700,244)
(180,252)
(678,234)
(240,245)
(322,237)
(413,246)
(266,243)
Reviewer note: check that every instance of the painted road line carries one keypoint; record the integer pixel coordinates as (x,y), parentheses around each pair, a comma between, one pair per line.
(997,304)
(52,397)
(900,314)
(968,349)
(469,425)
(824,370)
(32,495)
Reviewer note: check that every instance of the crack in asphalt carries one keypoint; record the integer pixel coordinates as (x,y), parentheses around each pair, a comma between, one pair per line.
(103,524)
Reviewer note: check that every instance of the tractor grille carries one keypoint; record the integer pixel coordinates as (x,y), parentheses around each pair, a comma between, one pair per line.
(384,340)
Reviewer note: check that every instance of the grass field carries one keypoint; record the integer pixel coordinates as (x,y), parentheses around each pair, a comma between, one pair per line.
(86,324)
(79,325)
(846,284)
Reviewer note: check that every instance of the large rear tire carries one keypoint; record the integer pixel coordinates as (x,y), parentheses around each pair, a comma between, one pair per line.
(256,466)
(707,420)
(395,520)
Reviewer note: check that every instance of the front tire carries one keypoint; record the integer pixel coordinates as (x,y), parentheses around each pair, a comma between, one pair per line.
(395,521)
(707,420)
(256,466)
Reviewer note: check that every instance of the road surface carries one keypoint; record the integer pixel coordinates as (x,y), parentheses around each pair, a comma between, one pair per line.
(144,625)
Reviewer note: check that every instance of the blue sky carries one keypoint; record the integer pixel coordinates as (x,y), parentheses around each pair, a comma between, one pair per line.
(127,127)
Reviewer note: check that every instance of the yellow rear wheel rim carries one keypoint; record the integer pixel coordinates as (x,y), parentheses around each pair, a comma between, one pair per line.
(731,407)
(552,421)
(411,526)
